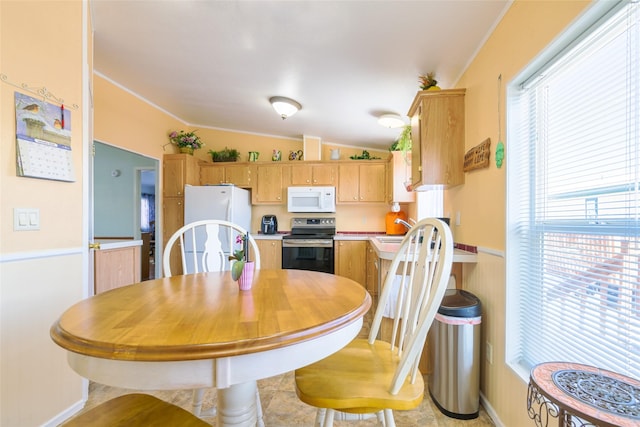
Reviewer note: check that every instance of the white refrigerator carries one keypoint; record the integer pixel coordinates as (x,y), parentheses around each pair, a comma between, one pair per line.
(225,202)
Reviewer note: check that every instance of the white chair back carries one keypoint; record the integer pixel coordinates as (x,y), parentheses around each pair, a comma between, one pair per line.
(415,285)
(206,246)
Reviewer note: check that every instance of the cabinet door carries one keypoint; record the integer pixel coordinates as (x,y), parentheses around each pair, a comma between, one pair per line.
(269,185)
(115,268)
(173,212)
(211,175)
(324,175)
(174,174)
(351,260)
(239,175)
(398,175)
(372,270)
(348,183)
(270,253)
(301,174)
(177,171)
(437,124)
(372,180)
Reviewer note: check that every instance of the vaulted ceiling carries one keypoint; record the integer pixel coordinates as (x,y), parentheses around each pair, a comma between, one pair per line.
(217,63)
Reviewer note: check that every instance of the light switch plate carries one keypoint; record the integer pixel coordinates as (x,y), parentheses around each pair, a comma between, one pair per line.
(26,219)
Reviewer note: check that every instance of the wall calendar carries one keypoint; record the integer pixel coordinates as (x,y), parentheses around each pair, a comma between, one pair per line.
(43,140)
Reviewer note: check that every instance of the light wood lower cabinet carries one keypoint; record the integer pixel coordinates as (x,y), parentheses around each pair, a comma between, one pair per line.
(372,271)
(114,268)
(270,253)
(350,260)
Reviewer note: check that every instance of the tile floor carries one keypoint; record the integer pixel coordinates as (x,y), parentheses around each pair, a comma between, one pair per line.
(283,409)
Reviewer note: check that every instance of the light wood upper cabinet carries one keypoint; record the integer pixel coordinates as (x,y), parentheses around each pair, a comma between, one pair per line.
(177,171)
(270,253)
(398,175)
(350,260)
(239,174)
(270,185)
(437,133)
(314,174)
(362,182)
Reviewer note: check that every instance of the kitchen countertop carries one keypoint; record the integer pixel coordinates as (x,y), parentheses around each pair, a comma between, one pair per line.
(388,250)
(384,250)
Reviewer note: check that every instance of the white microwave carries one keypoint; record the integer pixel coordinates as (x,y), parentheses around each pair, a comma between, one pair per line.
(311,199)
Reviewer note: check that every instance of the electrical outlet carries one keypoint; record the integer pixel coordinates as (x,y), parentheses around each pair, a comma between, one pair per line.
(458,218)
(489,352)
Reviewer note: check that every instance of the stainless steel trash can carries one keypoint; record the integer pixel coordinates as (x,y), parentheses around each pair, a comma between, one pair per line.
(454,349)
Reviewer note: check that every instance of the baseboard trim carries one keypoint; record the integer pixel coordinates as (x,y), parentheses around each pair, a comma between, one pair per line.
(490,411)
(65,415)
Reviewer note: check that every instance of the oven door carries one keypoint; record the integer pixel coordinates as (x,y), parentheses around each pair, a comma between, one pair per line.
(308,254)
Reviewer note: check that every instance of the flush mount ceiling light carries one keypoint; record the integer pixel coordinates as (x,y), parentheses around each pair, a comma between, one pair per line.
(286,107)
(391,121)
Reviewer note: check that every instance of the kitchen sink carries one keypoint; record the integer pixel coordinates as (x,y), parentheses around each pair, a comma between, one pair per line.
(390,239)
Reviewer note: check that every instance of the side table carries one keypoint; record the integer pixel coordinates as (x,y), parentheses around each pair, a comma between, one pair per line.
(579,395)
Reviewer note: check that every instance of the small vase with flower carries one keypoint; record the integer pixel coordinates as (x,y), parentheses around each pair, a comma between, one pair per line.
(242,268)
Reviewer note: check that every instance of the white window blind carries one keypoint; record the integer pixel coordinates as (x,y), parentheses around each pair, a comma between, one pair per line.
(573,250)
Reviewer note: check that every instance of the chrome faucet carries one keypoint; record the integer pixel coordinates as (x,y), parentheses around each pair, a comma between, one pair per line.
(403,222)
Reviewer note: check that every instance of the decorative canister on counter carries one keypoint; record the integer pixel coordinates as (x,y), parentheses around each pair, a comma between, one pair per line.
(391,227)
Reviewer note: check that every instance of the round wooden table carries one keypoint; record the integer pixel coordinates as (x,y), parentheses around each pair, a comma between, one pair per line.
(200,330)
(582,395)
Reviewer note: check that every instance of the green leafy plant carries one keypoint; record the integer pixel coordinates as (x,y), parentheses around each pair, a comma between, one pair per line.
(364,156)
(240,257)
(403,143)
(226,155)
(184,139)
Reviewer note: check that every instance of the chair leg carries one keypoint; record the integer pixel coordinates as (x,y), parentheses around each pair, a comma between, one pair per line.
(320,414)
(196,401)
(328,420)
(196,405)
(388,418)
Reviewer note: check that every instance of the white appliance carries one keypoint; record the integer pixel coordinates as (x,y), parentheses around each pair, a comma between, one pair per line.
(311,199)
(224,202)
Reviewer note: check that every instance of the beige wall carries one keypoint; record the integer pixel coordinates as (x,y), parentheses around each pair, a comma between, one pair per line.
(41,272)
(524,31)
(127,121)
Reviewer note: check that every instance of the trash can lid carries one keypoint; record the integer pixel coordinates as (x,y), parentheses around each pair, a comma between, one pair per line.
(460,303)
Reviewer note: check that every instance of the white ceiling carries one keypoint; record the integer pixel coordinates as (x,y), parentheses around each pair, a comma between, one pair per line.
(216,63)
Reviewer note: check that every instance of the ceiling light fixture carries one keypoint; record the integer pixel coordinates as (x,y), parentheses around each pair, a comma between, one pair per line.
(391,121)
(286,107)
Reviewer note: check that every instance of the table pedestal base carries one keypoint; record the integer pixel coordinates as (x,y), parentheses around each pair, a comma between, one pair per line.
(237,405)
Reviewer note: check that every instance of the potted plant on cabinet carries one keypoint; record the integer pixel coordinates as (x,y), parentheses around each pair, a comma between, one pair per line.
(226,155)
(186,141)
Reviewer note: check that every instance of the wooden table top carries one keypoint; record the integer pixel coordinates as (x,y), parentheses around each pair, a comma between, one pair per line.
(205,315)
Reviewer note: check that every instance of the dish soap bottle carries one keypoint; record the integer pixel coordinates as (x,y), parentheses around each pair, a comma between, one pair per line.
(392,227)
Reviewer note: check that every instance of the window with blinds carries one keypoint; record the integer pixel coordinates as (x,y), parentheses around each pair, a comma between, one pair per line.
(573,249)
